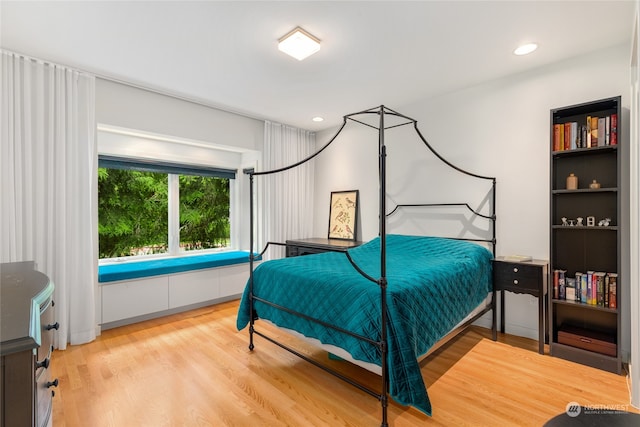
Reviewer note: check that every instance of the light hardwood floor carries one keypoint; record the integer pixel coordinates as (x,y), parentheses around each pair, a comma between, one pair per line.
(194,369)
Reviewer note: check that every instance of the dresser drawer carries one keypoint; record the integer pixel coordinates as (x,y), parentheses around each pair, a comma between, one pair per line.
(517,277)
(43,382)
(47,327)
(43,397)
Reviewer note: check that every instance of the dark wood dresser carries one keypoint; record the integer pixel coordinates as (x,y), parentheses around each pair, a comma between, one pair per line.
(28,321)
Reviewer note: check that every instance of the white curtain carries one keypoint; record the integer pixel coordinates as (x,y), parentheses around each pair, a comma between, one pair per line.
(287,196)
(48,162)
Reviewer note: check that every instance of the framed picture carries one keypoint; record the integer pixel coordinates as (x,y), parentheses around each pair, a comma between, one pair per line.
(343,213)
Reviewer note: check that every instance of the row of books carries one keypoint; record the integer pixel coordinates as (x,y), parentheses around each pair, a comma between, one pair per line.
(592,288)
(595,132)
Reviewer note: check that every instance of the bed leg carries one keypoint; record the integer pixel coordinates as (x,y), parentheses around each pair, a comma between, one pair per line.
(251,346)
(385,403)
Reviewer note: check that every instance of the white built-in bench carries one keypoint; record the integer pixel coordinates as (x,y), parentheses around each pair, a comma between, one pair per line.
(134,291)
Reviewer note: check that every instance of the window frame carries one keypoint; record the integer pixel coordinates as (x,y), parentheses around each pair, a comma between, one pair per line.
(173,170)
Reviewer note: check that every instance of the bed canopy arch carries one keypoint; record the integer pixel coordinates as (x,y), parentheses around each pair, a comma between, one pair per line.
(377,118)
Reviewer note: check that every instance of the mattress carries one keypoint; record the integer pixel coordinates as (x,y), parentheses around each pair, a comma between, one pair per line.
(433,284)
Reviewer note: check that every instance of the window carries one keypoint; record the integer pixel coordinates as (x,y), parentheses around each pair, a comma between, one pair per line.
(160,208)
(204,212)
(133,208)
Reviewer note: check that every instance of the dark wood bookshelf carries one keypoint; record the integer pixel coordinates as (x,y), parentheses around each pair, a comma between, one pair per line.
(585,248)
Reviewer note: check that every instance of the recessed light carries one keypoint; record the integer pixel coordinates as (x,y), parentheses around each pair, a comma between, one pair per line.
(525,49)
(317,119)
(299,44)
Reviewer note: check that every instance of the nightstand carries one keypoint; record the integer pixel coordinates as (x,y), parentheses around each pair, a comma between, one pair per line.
(529,277)
(316,245)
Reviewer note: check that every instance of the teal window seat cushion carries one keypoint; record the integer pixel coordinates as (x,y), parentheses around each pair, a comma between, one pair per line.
(137,269)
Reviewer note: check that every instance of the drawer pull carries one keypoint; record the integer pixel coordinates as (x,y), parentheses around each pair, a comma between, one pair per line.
(44,364)
(585,340)
(515,269)
(53,383)
(55,326)
(515,282)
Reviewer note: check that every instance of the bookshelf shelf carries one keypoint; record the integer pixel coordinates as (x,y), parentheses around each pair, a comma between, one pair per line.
(585,306)
(584,142)
(583,228)
(585,190)
(584,151)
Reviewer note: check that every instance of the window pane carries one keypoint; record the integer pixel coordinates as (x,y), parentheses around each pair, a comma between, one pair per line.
(204,212)
(132,212)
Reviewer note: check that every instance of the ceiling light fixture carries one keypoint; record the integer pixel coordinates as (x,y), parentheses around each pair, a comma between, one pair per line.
(317,119)
(299,44)
(525,49)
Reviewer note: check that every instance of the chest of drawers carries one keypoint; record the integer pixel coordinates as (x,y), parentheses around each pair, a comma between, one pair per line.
(28,324)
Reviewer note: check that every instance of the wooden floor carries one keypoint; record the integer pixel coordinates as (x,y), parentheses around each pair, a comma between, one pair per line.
(194,369)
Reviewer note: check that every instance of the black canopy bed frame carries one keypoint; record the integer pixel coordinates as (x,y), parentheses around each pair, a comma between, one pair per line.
(381,112)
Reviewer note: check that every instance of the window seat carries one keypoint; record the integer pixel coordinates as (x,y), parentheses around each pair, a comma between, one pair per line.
(137,269)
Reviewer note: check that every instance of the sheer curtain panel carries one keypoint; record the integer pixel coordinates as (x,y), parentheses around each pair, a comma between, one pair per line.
(48,171)
(288,196)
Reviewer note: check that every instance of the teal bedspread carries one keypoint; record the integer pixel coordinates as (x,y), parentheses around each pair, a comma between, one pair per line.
(433,284)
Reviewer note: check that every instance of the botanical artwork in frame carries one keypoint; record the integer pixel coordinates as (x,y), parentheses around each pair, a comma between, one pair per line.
(343,212)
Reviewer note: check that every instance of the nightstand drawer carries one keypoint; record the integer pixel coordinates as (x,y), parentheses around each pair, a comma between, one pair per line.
(517,276)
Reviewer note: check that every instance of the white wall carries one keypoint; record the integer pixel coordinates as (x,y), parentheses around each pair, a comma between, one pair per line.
(129,107)
(499,128)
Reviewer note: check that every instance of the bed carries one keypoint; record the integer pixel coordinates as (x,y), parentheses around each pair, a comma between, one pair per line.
(382,305)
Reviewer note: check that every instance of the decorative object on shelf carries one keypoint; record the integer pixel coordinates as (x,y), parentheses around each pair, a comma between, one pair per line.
(594,185)
(579,220)
(572,182)
(591,221)
(564,221)
(343,213)
(604,222)
(571,222)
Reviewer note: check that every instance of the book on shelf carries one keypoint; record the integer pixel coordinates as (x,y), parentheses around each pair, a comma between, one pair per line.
(558,137)
(601,131)
(570,289)
(613,284)
(573,133)
(594,132)
(558,283)
(578,286)
(591,287)
(599,286)
(613,137)
(582,141)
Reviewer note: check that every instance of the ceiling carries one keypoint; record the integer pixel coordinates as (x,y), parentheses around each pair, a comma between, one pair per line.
(224,54)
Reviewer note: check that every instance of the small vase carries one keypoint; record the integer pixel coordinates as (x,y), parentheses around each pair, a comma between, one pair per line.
(595,184)
(572,182)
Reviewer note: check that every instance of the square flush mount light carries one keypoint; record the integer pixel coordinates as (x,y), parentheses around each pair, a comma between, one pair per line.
(299,44)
